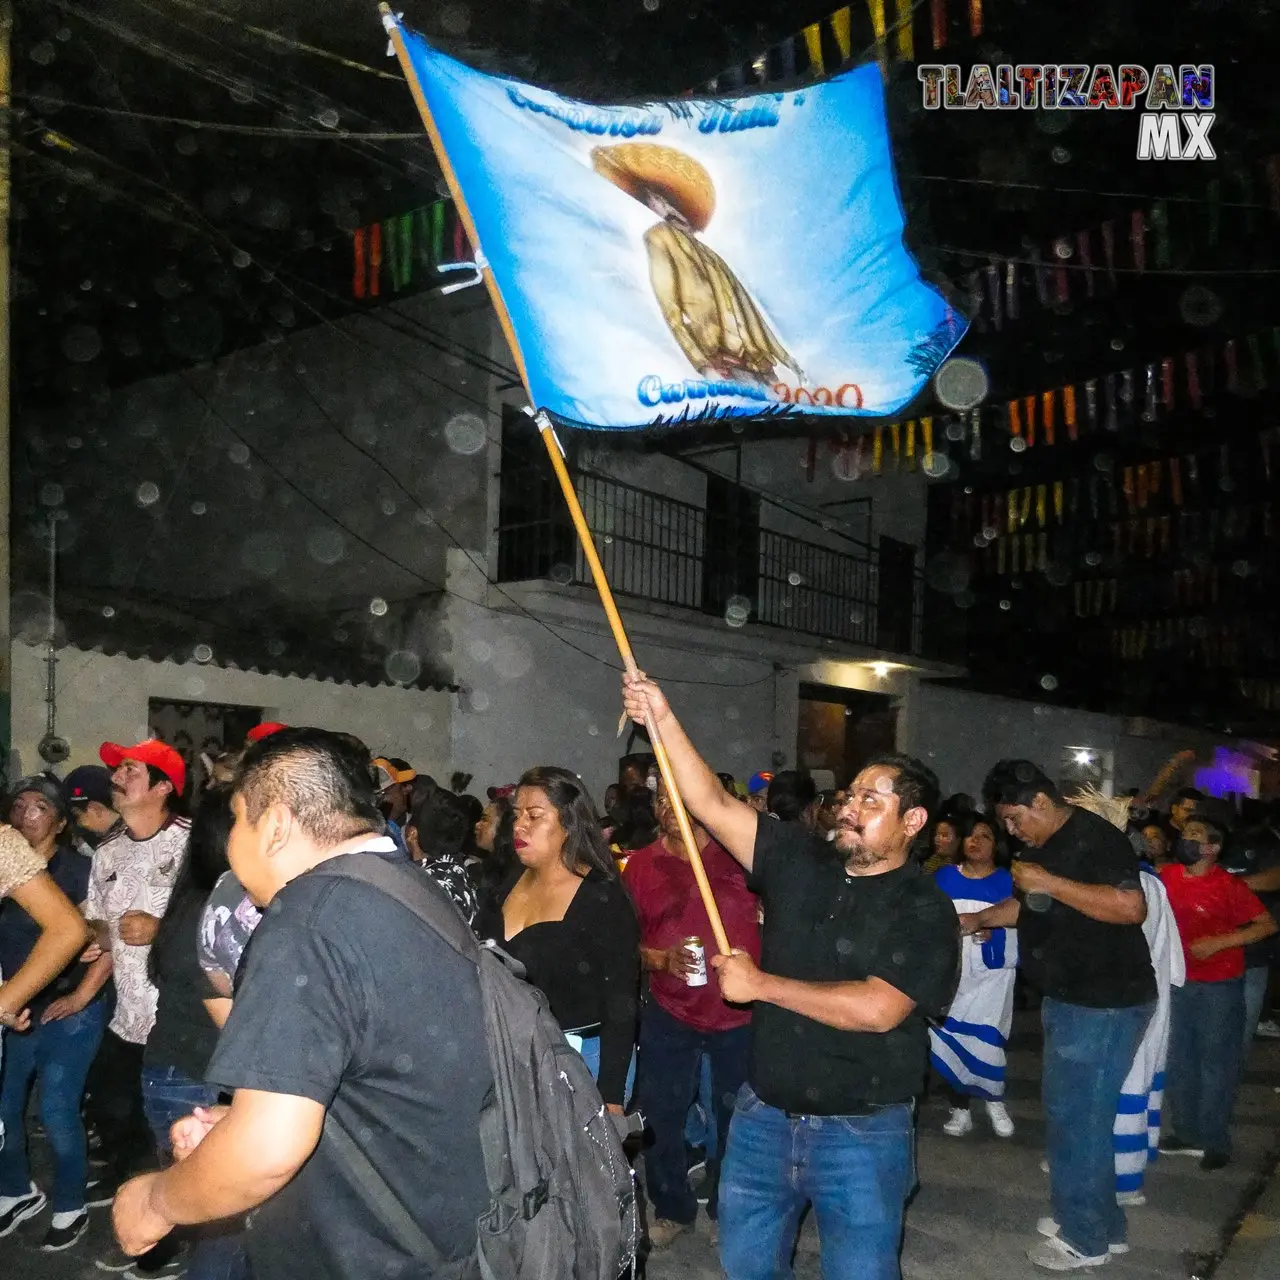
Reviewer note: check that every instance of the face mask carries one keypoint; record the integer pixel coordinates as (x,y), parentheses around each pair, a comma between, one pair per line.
(1187,852)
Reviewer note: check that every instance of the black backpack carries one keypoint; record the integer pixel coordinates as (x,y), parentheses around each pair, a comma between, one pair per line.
(563,1200)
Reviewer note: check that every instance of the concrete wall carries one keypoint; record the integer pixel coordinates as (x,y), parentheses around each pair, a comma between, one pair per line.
(529,698)
(103,698)
(960,734)
(898,508)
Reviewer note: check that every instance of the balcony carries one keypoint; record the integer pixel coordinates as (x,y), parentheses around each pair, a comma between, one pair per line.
(720,563)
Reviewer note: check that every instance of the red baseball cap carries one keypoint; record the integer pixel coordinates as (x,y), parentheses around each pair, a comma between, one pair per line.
(264,730)
(153,752)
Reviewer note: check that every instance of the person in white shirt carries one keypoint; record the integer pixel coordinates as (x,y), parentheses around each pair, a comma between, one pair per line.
(133,874)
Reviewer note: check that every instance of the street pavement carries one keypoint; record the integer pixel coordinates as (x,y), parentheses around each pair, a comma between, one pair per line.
(979,1198)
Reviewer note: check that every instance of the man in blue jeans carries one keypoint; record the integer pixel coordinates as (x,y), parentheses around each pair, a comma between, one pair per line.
(1079,919)
(858,948)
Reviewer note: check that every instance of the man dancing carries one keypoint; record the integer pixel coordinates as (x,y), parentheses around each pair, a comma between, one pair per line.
(859,947)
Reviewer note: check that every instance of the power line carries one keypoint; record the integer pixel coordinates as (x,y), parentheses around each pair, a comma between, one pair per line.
(1079,191)
(206,71)
(1054,264)
(287,42)
(224,126)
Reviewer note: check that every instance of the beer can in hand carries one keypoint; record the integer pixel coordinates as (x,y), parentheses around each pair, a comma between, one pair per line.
(697,977)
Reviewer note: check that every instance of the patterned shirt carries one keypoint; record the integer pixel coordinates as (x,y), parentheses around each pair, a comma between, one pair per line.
(134,875)
(226,926)
(19,862)
(451,874)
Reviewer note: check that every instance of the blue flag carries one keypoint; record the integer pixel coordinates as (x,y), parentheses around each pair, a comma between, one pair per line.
(693,258)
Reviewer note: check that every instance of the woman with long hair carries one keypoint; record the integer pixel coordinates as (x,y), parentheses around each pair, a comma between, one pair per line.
(189,1012)
(564,914)
(968,1049)
(66,1015)
(495,843)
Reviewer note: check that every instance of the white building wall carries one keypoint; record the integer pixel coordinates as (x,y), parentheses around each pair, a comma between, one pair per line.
(960,734)
(104,698)
(529,698)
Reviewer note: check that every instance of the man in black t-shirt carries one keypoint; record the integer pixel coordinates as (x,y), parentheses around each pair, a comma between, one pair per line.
(348,1009)
(1079,922)
(859,947)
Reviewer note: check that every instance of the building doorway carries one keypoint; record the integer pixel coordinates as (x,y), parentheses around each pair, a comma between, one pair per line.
(197,729)
(841,729)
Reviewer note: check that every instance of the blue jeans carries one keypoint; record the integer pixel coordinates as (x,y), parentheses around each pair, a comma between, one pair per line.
(857,1171)
(1205,1057)
(218,1251)
(700,1126)
(58,1055)
(588,1048)
(670,1075)
(1087,1054)
(1256,981)
(168,1095)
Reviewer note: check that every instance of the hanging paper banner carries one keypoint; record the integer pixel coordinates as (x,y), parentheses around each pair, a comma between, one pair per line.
(375,259)
(813,42)
(841,28)
(876,9)
(938,22)
(906,42)
(658,263)
(360,270)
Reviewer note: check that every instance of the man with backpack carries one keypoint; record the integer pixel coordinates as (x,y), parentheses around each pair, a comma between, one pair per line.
(357,1040)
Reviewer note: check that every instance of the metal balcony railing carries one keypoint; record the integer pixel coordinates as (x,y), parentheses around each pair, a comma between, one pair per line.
(817,590)
(664,550)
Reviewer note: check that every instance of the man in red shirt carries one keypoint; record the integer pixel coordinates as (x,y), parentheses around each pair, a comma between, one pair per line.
(680,1022)
(1218,916)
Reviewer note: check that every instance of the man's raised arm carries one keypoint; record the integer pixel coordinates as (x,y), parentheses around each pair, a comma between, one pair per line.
(729,820)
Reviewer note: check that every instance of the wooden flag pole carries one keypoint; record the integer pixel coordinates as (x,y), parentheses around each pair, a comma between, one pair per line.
(628,660)
(554,452)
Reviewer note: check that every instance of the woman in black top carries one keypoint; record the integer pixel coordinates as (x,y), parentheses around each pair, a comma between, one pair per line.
(566,917)
(188,1014)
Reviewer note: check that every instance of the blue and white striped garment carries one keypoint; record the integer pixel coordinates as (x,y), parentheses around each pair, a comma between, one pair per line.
(968,1049)
(1136,1135)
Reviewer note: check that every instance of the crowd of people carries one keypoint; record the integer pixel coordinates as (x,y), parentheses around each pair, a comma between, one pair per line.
(215,1017)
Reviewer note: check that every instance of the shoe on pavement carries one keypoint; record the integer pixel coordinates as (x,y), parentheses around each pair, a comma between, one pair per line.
(1001,1120)
(1130,1199)
(1174,1146)
(959,1123)
(1268,1029)
(115,1261)
(1044,1164)
(58,1238)
(1049,1228)
(1213,1161)
(18,1209)
(1055,1254)
(100,1190)
(169,1270)
(664,1231)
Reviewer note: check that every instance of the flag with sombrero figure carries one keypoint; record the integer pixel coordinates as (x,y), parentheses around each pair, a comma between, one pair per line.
(660,262)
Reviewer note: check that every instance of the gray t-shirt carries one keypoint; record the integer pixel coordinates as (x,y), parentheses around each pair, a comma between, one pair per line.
(226,926)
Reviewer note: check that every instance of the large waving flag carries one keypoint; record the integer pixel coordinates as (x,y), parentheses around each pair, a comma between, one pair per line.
(714,258)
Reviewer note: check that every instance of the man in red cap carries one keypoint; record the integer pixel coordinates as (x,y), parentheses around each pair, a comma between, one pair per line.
(132,876)
(263,730)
